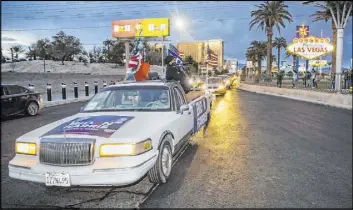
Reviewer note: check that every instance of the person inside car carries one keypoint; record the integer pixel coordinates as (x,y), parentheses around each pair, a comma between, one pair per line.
(163,99)
(136,100)
(161,102)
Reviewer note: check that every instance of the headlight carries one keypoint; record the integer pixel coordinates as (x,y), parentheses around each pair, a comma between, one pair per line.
(26,148)
(191,81)
(110,150)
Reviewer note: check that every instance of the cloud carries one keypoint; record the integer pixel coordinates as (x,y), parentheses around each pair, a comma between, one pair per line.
(8,39)
(18,37)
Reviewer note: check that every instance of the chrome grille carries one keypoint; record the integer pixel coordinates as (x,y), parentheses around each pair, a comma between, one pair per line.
(66,152)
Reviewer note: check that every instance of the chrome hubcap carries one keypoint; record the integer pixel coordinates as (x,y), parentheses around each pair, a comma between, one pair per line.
(32,109)
(166,161)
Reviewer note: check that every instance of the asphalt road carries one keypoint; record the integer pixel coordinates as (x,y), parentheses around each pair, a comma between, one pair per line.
(258,151)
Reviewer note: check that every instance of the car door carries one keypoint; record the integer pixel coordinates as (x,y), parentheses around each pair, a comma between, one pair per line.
(24,96)
(19,98)
(185,119)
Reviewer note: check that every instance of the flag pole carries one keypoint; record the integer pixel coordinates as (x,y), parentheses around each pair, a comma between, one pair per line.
(163,55)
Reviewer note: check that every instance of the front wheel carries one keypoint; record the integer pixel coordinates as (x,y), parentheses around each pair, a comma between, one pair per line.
(160,172)
(32,109)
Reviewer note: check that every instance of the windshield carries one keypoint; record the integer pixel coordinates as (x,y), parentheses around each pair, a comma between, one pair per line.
(131,98)
(214,80)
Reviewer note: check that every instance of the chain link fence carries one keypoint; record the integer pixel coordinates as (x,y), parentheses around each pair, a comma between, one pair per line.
(317,82)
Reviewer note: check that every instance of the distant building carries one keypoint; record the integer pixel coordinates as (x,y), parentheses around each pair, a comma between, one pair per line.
(198,50)
(155,46)
(232,65)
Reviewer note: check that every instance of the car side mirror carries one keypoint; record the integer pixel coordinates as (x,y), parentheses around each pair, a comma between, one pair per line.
(184,108)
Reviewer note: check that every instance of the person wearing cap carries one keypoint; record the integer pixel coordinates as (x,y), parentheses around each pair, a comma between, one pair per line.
(172,72)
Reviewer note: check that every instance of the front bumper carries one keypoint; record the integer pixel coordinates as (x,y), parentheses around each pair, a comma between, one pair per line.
(104,171)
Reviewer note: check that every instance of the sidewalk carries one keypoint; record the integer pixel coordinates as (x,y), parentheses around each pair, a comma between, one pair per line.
(58,101)
(329,99)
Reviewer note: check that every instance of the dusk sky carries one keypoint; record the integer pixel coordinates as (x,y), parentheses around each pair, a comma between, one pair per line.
(91,22)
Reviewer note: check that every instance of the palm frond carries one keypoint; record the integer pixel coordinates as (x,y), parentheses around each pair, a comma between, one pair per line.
(270,10)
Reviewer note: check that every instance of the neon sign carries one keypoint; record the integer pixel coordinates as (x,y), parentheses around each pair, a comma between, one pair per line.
(309,47)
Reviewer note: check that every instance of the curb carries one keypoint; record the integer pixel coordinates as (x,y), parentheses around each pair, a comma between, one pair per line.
(301,99)
(62,102)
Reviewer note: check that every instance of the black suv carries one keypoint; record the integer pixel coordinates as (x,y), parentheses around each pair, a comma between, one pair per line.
(16,99)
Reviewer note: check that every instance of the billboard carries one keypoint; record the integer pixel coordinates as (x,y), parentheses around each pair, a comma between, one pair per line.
(151,27)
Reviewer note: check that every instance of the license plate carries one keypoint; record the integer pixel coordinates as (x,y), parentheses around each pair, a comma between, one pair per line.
(57,179)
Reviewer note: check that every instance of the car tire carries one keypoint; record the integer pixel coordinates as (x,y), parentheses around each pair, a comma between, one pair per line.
(32,108)
(161,170)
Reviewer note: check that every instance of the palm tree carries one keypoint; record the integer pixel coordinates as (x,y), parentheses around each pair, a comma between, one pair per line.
(108,43)
(279,43)
(18,49)
(250,56)
(256,53)
(266,16)
(288,54)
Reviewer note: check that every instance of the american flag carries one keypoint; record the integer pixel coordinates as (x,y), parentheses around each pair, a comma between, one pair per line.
(212,57)
(135,61)
(173,51)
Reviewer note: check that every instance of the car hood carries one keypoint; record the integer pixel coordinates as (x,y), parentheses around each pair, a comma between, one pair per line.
(120,126)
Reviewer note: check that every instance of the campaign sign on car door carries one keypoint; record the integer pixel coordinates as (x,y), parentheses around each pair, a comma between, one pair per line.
(102,126)
(200,115)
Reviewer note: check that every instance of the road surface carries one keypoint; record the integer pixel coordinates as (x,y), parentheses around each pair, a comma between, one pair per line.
(258,151)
